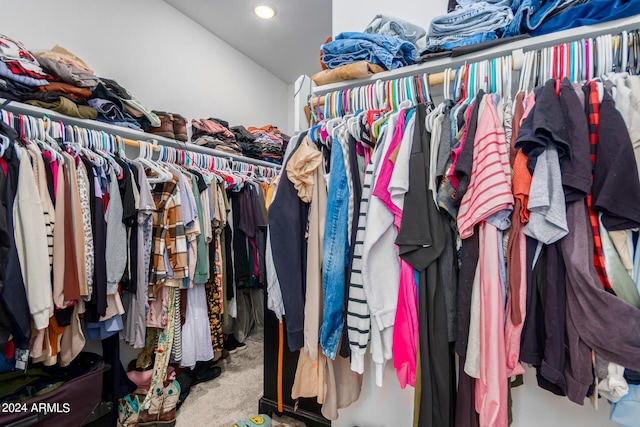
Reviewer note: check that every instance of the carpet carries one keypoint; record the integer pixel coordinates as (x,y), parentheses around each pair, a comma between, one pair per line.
(233,396)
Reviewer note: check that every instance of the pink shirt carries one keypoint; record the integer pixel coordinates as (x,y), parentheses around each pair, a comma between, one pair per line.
(492,391)
(405,327)
(381,189)
(489,192)
(489,188)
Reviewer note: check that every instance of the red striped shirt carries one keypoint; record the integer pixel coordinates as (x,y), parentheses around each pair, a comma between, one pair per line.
(489,188)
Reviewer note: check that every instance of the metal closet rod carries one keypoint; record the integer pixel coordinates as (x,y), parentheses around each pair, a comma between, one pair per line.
(130,136)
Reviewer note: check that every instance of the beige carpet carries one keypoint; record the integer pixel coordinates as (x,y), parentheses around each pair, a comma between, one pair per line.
(233,396)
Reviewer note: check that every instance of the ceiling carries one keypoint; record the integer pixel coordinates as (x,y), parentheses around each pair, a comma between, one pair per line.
(287,45)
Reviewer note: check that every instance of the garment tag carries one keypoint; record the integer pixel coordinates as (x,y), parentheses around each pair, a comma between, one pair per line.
(22,359)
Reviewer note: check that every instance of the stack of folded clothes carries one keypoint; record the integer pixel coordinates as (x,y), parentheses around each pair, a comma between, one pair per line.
(475,25)
(472,22)
(61,81)
(117,107)
(266,143)
(386,51)
(214,133)
(18,65)
(112,102)
(386,43)
(23,78)
(269,141)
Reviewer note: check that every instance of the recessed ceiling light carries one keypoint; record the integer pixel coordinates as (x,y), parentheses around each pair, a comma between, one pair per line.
(264,11)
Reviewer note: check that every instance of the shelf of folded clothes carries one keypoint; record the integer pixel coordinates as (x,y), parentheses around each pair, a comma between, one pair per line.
(267,143)
(60,84)
(434,63)
(60,81)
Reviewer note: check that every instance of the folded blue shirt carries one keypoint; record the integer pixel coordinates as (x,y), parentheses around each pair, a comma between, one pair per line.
(592,12)
(386,51)
(103,329)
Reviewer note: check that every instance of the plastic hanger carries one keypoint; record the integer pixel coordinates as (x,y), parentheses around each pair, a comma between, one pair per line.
(4,143)
(507,76)
(526,66)
(624,50)
(46,142)
(590,58)
(106,149)
(145,157)
(4,139)
(445,83)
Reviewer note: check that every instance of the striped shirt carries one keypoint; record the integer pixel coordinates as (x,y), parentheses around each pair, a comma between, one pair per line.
(358,317)
(593,115)
(489,188)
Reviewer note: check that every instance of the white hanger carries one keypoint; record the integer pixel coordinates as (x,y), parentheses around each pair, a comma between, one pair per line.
(624,47)
(4,139)
(526,64)
(44,139)
(144,157)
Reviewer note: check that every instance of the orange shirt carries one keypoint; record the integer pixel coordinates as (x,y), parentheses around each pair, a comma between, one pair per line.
(521,184)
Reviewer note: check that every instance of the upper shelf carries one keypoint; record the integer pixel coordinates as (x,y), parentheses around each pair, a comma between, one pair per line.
(30,110)
(532,43)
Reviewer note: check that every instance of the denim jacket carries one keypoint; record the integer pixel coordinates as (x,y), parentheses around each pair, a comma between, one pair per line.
(335,251)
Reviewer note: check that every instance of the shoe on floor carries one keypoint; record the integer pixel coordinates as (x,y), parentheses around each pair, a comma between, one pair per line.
(203,371)
(219,355)
(233,344)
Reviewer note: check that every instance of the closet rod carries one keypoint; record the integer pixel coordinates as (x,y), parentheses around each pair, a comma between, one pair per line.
(130,136)
(434,80)
(513,48)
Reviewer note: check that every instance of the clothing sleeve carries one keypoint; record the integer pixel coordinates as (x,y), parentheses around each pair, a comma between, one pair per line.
(287,224)
(615,194)
(116,239)
(158,269)
(358,316)
(31,242)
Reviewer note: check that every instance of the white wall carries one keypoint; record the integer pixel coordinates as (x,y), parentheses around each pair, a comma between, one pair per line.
(391,406)
(355,15)
(291,89)
(163,58)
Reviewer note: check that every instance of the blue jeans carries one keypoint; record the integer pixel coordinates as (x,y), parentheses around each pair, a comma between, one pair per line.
(395,27)
(386,51)
(470,24)
(470,20)
(449,42)
(335,254)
